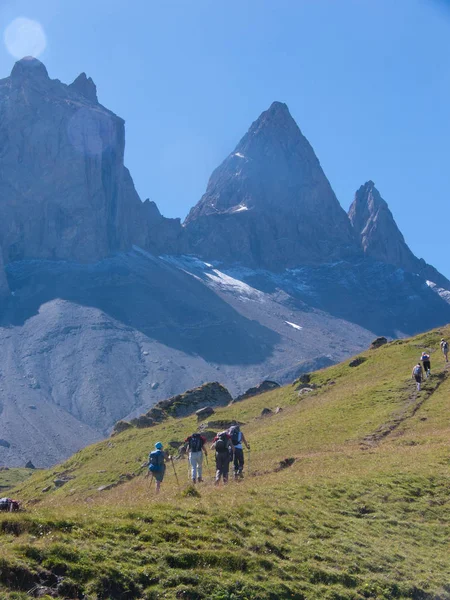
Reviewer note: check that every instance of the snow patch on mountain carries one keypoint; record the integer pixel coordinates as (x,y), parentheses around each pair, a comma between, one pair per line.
(299,327)
(443,293)
(239,208)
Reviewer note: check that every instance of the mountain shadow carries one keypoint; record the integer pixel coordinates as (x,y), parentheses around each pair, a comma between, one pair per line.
(148,295)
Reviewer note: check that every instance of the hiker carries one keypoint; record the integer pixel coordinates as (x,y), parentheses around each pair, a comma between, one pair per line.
(8,504)
(237,439)
(195,443)
(224,455)
(157,465)
(444,348)
(417,373)
(426,361)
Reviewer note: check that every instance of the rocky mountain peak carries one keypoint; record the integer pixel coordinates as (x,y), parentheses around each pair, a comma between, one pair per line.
(66,194)
(29,68)
(380,237)
(85,86)
(276,119)
(376,227)
(272,190)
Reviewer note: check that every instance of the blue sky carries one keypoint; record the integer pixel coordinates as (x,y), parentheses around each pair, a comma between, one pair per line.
(368,82)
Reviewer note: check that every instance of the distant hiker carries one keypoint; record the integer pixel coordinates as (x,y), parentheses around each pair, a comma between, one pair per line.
(417,373)
(157,465)
(237,439)
(224,455)
(426,361)
(444,348)
(195,443)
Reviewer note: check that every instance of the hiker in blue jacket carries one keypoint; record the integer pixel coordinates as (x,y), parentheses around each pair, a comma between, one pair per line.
(237,439)
(157,465)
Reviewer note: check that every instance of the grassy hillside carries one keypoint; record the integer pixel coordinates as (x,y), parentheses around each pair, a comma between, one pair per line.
(12,477)
(362,512)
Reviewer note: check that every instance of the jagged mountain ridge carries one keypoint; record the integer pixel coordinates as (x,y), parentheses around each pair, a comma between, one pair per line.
(108,310)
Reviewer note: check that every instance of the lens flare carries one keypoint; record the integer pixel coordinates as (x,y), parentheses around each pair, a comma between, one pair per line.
(25,37)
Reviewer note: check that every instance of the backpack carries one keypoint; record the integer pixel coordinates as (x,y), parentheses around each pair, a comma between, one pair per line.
(155,461)
(445,346)
(234,433)
(195,443)
(222,442)
(417,370)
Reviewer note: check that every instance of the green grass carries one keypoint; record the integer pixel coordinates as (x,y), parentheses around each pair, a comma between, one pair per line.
(362,512)
(13,477)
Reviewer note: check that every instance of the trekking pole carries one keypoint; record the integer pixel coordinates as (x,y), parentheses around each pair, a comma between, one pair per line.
(176,476)
(151,479)
(248,450)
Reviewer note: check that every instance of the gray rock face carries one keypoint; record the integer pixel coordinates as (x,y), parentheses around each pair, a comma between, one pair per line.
(269,203)
(380,237)
(65,192)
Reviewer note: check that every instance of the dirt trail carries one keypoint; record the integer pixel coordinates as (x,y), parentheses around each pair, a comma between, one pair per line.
(413,403)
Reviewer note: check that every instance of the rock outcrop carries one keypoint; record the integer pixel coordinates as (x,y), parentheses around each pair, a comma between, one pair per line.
(208,395)
(269,203)
(265,386)
(380,237)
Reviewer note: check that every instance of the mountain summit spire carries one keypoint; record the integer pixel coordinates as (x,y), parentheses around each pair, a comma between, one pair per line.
(376,227)
(269,203)
(380,237)
(29,67)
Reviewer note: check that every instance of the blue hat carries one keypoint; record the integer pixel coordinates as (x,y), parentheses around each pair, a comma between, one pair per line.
(158,446)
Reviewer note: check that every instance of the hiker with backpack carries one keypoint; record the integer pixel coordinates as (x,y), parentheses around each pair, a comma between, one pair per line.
(10,505)
(195,443)
(426,361)
(444,348)
(224,455)
(157,465)
(237,439)
(417,374)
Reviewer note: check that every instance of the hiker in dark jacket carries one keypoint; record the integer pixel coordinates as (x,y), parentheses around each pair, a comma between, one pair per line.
(157,465)
(195,443)
(237,439)
(417,373)
(426,362)
(8,504)
(444,349)
(224,455)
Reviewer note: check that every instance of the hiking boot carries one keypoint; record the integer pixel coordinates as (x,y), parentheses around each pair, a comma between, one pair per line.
(200,480)
(194,481)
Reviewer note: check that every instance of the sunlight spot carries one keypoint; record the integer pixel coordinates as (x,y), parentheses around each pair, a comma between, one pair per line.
(24,37)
